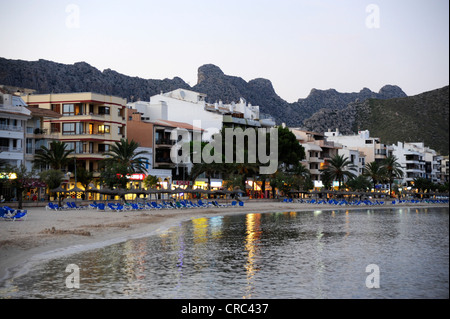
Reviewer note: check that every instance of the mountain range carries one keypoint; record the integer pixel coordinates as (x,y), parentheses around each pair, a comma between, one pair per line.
(319,111)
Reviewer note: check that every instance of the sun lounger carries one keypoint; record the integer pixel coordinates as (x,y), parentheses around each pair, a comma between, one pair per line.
(155,205)
(53,206)
(20,215)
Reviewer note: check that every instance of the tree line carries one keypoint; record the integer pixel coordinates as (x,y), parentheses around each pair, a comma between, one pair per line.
(123,159)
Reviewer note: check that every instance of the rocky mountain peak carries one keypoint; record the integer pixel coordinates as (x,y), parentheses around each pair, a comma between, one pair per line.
(208,71)
(391,91)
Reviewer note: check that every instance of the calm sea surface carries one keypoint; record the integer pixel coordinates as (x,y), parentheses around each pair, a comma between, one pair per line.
(315,254)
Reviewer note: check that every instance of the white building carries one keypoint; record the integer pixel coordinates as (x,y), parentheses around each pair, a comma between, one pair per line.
(318,150)
(370,147)
(356,157)
(445,169)
(13,118)
(190,107)
(417,160)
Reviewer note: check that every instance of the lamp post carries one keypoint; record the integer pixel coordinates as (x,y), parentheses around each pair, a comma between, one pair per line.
(75,165)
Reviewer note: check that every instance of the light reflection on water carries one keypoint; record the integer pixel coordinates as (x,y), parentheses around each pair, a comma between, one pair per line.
(317,254)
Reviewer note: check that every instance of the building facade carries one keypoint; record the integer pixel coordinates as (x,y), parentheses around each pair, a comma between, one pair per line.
(158,138)
(89,123)
(13,122)
(418,161)
(191,107)
(370,147)
(318,151)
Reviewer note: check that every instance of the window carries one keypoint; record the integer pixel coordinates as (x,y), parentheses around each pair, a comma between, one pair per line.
(55,127)
(369,142)
(68,109)
(29,146)
(56,108)
(103,148)
(72,128)
(104,129)
(68,128)
(103,110)
(4,142)
(77,147)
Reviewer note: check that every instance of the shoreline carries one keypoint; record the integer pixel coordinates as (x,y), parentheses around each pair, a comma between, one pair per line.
(46,234)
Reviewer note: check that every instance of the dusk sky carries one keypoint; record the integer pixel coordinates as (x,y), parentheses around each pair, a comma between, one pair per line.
(298,44)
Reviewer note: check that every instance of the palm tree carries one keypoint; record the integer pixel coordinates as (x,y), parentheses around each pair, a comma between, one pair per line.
(125,154)
(56,157)
(338,168)
(392,169)
(373,170)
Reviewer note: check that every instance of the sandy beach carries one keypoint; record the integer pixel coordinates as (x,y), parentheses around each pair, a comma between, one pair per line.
(45,231)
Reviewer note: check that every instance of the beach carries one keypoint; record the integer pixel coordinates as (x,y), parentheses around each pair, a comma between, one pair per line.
(45,231)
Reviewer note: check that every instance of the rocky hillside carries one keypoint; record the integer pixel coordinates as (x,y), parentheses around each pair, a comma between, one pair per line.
(420,118)
(217,85)
(46,76)
(332,100)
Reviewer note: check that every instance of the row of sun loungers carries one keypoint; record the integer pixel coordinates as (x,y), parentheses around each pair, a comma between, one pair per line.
(182,204)
(118,207)
(364,202)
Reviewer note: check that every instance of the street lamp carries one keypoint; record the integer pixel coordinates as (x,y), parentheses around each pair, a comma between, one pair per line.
(75,165)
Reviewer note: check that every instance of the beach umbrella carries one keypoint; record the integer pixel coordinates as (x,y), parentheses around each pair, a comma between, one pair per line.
(106,191)
(225,192)
(58,189)
(76,190)
(137,191)
(178,191)
(165,191)
(93,190)
(238,192)
(151,191)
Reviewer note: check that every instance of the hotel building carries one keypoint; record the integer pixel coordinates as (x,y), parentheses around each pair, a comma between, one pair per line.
(191,107)
(155,137)
(417,160)
(89,124)
(370,147)
(318,150)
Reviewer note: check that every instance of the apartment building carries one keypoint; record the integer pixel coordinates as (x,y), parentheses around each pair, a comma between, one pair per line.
(36,135)
(370,147)
(13,121)
(191,107)
(445,169)
(417,160)
(318,150)
(156,138)
(89,123)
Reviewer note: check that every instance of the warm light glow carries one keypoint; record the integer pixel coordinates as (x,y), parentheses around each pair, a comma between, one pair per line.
(8,176)
(253,224)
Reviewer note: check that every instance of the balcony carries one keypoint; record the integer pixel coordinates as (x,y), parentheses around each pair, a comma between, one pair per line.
(164,142)
(11,149)
(327,144)
(13,128)
(84,135)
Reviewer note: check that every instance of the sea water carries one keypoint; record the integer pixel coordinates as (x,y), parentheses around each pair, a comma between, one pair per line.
(366,253)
